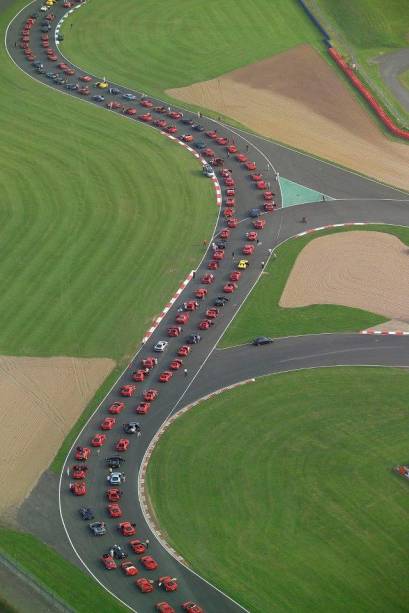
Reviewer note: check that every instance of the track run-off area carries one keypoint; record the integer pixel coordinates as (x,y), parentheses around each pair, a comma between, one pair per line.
(355,200)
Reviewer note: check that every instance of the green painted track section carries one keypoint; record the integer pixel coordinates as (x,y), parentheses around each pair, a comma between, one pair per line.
(294,193)
(281,492)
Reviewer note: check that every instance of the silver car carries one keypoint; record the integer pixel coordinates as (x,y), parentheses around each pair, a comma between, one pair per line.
(160,346)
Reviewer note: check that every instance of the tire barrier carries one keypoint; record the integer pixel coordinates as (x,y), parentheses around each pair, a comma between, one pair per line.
(315,21)
(364,91)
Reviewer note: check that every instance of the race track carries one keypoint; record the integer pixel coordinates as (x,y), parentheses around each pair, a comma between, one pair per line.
(356,199)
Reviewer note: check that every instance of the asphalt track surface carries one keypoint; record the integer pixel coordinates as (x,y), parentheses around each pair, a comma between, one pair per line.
(392,65)
(357,199)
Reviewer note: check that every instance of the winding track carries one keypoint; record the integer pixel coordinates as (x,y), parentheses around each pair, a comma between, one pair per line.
(357,200)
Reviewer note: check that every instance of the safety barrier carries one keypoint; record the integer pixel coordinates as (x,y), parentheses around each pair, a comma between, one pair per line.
(315,21)
(364,91)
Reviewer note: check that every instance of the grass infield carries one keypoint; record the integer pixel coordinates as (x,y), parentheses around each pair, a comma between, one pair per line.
(58,576)
(281,492)
(261,314)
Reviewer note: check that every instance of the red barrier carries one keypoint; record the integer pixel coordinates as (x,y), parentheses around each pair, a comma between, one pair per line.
(364,91)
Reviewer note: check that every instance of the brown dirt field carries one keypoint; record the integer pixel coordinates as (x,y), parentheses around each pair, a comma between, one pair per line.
(41,399)
(297,98)
(366,270)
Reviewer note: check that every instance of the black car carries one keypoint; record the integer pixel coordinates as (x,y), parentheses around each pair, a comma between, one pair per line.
(114,461)
(220,244)
(60,37)
(46,28)
(132,427)
(187,121)
(98,528)
(98,98)
(221,301)
(86,513)
(199,128)
(255,213)
(37,63)
(40,70)
(117,552)
(51,75)
(34,15)
(200,145)
(262,340)
(114,91)
(193,339)
(71,86)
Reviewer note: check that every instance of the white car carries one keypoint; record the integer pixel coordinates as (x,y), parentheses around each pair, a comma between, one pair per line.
(208,171)
(114,478)
(160,346)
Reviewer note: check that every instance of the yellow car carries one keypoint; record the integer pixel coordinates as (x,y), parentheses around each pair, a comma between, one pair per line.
(242,265)
(102,85)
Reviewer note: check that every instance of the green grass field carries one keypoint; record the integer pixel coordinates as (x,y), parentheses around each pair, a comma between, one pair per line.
(156,45)
(364,30)
(92,205)
(281,492)
(261,314)
(58,576)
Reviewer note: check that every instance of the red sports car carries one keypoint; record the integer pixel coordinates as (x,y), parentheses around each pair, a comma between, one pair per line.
(191,305)
(116,408)
(108,423)
(183,318)
(169,584)
(148,104)
(230,201)
(213,265)
(143,408)
(268,206)
(248,250)
(127,390)
(149,362)
(230,192)
(212,313)
(175,115)
(176,364)
(228,213)
(201,292)
(139,375)
(187,138)
(259,223)
(86,78)
(82,453)
(229,288)
(79,488)
(225,172)
(204,324)
(207,279)
(252,236)
(174,331)
(183,351)
(127,528)
(164,607)
(44,44)
(251,165)
(62,66)
(114,494)
(218,254)
(256,176)
(212,134)
(144,585)
(235,275)
(131,111)
(268,195)
(98,440)
(147,117)
(69,71)
(233,222)
(160,123)
(149,563)
(165,376)
(229,182)
(137,546)
(113,105)
(129,568)
(150,395)
(114,510)
(52,57)
(160,109)
(79,471)
(261,185)
(171,129)
(192,607)
(122,444)
(221,140)
(108,561)
(208,153)
(240,157)
(231,148)
(224,234)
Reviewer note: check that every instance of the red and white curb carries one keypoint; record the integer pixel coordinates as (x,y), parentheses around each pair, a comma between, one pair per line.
(175,296)
(148,453)
(197,156)
(333,225)
(385,332)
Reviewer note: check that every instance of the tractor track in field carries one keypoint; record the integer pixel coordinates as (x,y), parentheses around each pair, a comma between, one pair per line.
(357,200)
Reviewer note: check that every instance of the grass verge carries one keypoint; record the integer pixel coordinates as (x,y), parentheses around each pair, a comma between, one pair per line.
(302,511)
(55,574)
(261,314)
